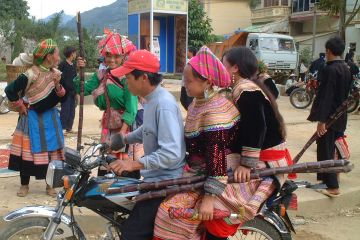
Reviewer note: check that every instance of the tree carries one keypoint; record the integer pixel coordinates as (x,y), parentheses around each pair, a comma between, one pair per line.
(199,25)
(12,14)
(305,56)
(338,7)
(11,9)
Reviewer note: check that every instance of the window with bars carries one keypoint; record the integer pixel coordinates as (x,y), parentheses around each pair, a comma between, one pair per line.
(271,3)
(303,5)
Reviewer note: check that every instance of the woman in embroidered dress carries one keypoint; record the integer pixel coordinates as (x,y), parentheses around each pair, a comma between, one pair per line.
(38,137)
(260,138)
(110,92)
(209,131)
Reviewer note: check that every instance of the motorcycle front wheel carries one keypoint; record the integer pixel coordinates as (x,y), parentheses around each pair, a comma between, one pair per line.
(353,104)
(259,229)
(33,229)
(300,98)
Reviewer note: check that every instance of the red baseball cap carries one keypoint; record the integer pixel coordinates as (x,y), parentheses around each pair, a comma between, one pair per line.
(142,60)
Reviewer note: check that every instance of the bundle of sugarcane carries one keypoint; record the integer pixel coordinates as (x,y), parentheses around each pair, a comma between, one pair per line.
(297,168)
(335,116)
(156,185)
(165,188)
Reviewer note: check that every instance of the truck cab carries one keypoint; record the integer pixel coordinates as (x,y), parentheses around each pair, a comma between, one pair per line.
(277,51)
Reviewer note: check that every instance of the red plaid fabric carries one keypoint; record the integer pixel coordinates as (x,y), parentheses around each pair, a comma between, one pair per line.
(114,43)
(210,67)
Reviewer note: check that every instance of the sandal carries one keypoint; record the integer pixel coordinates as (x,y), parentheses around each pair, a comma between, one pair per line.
(23,191)
(326,193)
(50,191)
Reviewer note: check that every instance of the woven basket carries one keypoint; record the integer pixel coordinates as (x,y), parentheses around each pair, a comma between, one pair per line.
(12,72)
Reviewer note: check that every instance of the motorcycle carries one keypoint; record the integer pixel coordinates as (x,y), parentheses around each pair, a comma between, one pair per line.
(303,96)
(4,102)
(354,103)
(82,190)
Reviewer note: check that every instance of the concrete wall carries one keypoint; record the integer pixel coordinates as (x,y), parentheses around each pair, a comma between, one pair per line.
(5,49)
(319,44)
(353,36)
(323,24)
(227,16)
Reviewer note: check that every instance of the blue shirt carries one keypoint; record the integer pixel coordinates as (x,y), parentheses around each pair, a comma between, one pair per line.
(162,134)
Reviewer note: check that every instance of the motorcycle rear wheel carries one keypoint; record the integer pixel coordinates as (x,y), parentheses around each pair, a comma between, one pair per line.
(300,98)
(259,229)
(31,229)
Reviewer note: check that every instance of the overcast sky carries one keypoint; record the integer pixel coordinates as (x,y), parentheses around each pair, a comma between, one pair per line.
(43,8)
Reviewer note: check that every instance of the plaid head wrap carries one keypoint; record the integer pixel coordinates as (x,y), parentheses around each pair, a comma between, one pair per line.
(114,43)
(210,67)
(43,48)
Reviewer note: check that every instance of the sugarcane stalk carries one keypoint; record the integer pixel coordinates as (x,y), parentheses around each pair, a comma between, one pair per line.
(82,80)
(156,185)
(255,175)
(189,180)
(168,191)
(335,116)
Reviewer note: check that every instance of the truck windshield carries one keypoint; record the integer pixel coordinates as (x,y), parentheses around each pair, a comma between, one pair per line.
(276,44)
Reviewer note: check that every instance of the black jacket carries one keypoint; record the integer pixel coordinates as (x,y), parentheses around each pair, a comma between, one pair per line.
(334,89)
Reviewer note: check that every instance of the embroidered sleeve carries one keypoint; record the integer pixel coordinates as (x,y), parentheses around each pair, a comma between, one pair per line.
(16,89)
(215,147)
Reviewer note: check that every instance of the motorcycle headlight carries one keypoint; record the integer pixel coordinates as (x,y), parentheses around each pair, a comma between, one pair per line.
(56,171)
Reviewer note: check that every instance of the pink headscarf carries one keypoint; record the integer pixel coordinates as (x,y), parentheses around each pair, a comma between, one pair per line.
(210,67)
(114,43)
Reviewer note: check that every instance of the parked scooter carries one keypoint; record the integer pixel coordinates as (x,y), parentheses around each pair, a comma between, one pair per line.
(303,96)
(354,103)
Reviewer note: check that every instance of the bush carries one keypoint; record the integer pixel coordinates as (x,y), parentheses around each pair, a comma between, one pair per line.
(305,56)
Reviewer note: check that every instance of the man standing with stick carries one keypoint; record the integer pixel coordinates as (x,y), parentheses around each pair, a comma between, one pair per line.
(333,91)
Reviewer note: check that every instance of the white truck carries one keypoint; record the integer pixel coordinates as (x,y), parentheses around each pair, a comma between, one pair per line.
(277,51)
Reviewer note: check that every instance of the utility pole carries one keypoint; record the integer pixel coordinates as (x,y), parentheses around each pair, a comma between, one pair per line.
(314,32)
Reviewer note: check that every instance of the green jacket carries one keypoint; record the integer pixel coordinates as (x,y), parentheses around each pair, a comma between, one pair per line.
(120,98)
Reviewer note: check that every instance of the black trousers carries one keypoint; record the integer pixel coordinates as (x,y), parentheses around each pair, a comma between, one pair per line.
(140,224)
(185,100)
(67,113)
(326,151)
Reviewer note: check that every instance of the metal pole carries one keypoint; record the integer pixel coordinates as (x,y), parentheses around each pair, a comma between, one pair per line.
(314,33)
(152,27)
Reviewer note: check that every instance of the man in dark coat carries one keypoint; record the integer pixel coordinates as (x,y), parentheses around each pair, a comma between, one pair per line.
(333,90)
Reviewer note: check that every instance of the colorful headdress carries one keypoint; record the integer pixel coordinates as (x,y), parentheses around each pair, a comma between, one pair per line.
(210,67)
(114,43)
(43,48)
